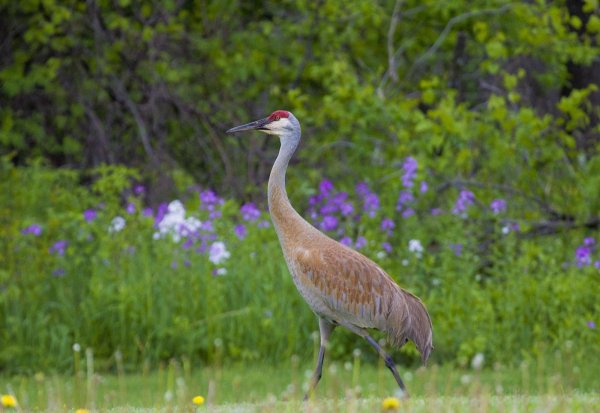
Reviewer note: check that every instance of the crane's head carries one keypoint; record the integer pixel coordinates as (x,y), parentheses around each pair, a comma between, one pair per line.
(281,123)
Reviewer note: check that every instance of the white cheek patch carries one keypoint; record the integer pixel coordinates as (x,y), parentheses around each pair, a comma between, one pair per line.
(278,126)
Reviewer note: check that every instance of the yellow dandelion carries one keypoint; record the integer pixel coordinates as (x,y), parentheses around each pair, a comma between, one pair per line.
(390,403)
(8,400)
(198,400)
(82,411)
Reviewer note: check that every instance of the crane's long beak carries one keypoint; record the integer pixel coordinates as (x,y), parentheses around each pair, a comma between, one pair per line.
(256,125)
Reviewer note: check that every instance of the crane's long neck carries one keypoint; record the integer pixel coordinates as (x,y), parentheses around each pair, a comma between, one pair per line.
(284,216)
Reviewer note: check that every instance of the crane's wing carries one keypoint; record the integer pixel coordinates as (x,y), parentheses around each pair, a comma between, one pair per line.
(359,292)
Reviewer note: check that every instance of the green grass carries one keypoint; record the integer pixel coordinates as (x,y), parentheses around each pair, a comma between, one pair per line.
(349,386)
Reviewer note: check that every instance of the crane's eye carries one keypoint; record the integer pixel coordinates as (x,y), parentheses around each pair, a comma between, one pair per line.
(276,118)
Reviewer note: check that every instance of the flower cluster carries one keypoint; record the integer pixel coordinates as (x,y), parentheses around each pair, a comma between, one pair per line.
(409,168)
(465,199)
(59,247)
(209,201)
(175,224)
(250,212)
(498,206)
(328,208)
(583,254)
(404,205)
(90,215)
(250,215)
(34,229)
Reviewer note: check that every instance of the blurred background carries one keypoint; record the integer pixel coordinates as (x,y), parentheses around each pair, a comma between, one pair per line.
(455,143)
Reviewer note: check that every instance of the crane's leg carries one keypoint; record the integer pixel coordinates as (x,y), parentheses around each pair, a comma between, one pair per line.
(325,329)
(389,363)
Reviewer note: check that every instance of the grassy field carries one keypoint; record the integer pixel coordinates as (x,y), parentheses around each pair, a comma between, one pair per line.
(345,387)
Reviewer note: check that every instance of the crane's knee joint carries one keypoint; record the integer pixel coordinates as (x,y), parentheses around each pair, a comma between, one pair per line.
(389,362)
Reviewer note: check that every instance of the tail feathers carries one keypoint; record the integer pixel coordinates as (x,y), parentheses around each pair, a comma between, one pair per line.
(408,319)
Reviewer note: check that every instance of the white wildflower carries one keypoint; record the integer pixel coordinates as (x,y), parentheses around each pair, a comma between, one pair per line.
(218,252)
(414,245)
(477,361)
(175,223)
(176,208)
(222,271)
(117,224)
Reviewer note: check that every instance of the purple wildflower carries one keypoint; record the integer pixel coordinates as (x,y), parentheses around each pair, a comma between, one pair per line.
(424,187)
(328,209)
(591,325)
(386,246)
(187,263)
(436,211)
(174,265)
(130,208)
(315,199)
(589,241)
(371,204)
(201,249)
(360,242)
(362,189)
(161,211)
(409,166)
(59,247)
(325,187)
(187,244)
(597,264)
(208,200)
(147,212)
(404,198)
(457,249)
(347,241)
(207,226)
(264,224)
(139,189)
(387,225)
(90,214)
(498,206)
(408,212)
(59,272)
(346,208)
(240,231)
(583,256)
(250,212)
(464,201)
(339,198)
(329,223)
(33,229)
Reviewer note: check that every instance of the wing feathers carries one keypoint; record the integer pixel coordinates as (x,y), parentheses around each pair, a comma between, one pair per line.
(359,292)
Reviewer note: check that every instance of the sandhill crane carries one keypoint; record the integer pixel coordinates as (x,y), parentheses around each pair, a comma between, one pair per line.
(341,286)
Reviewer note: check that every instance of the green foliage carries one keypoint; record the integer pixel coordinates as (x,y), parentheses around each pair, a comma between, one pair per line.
(498,98)
(151,298)
(484,83)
